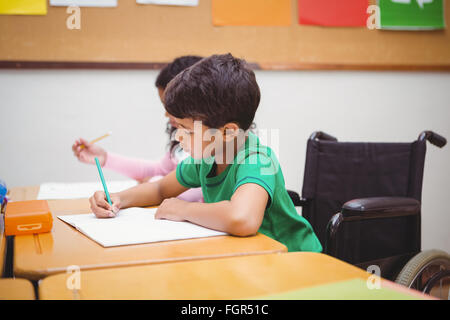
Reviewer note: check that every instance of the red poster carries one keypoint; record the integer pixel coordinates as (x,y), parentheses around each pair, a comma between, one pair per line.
(339,13)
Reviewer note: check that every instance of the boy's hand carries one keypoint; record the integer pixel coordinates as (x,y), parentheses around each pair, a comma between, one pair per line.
(100,206)
(88,153)
(171,209)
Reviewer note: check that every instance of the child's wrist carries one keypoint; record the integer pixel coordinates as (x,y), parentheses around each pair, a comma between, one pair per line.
(122,200)
(187,210)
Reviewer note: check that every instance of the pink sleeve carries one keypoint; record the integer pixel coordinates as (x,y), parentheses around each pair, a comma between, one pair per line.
(139,169)
(192,195)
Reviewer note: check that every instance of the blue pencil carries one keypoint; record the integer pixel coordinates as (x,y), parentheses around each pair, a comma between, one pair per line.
(100,172)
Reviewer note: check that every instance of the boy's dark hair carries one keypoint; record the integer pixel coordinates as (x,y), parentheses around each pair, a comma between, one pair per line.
(174,68)
(217,90)
(164,77)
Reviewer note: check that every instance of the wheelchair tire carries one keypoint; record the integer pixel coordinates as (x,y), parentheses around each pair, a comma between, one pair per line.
(412,270)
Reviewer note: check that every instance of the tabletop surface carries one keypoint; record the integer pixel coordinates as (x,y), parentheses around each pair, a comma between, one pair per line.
(16,289)
(246,277)
(39,255)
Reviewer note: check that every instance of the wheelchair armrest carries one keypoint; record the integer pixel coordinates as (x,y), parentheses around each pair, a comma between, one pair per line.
(367,209)
(380,207)
(295,197)
(433,138)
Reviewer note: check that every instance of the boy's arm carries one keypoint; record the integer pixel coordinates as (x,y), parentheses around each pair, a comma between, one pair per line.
(143,195)
(242,215)
(153,193)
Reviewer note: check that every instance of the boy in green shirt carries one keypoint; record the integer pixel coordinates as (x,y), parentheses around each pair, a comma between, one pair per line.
(214,103)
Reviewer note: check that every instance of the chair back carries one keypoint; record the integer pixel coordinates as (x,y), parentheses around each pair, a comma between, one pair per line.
(337,172)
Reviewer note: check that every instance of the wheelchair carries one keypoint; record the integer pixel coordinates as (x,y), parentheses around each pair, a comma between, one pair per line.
(363,201)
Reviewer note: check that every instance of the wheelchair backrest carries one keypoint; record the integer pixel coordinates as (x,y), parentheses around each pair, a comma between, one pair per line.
(337,172)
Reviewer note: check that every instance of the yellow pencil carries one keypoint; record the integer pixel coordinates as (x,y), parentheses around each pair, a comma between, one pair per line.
(98,139)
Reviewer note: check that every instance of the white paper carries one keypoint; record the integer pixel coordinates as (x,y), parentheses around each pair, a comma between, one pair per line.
(80,190)
(191,3)
(84,3)
(135,226)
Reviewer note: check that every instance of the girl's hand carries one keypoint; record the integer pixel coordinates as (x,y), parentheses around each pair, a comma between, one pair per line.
(88,153)
(171,209)
(100,206)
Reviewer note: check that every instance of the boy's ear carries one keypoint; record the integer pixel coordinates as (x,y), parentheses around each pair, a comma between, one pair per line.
(231,131)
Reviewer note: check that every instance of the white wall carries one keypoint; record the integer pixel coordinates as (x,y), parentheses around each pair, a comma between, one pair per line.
(44,111)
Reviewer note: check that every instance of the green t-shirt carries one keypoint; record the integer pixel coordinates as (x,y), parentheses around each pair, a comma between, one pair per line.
(254,163)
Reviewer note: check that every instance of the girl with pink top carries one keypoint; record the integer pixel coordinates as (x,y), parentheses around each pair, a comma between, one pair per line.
(139,169)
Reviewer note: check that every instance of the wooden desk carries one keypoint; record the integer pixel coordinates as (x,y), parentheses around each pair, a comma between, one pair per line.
(37,256)
(16,289)
(227,278)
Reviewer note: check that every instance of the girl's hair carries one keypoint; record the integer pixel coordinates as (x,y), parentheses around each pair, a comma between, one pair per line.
(163,79)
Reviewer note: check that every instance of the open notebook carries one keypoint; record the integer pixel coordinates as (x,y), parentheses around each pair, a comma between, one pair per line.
(134,226)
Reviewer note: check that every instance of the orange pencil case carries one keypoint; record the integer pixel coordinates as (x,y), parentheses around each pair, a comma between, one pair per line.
(27,217)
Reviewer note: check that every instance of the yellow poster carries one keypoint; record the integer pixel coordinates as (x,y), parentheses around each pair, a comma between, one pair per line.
(25,7)
(251,12)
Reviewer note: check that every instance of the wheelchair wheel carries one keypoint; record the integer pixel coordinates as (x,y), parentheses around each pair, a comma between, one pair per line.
(428,272)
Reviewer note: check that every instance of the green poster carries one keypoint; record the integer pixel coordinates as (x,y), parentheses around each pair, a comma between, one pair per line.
(412,14)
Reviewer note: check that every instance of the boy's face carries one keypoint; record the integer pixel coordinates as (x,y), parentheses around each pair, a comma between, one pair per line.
(201,141)
(190,135)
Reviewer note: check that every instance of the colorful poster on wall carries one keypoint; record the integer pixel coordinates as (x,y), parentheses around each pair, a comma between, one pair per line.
(251,12)
(333,13)
(189,3)
(412,14)
(23,7)
(84,3)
